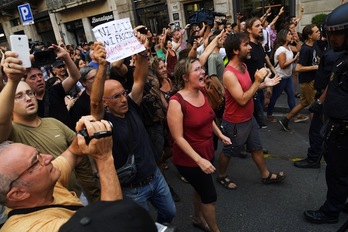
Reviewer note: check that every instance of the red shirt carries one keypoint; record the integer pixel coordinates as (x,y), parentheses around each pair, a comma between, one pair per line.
(198,131)
(234,112)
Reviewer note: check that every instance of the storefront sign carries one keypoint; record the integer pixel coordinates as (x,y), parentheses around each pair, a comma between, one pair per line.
(118,38)
(100,19)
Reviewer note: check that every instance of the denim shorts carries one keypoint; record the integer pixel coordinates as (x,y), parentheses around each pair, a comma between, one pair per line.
(245,133)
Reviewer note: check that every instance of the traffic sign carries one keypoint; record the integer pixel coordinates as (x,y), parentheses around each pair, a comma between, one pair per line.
(26,15)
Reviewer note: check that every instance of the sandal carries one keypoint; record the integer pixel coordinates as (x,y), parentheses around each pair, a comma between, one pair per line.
(269,180)
(225,181)
(200,225)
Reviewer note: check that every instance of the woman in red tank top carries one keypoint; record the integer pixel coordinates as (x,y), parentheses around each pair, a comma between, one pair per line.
(191,123)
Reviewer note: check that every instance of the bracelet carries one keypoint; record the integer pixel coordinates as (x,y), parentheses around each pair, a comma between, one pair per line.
(319,102)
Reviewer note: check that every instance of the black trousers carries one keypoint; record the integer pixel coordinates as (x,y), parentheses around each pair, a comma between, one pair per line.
(336,157)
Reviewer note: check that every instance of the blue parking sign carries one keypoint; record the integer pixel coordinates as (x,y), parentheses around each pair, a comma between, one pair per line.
(25,13)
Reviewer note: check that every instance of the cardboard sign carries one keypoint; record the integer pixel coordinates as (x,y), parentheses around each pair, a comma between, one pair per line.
(118,38)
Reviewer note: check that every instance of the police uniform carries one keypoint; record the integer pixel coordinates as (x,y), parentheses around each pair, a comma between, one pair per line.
(336,130)
(336,139)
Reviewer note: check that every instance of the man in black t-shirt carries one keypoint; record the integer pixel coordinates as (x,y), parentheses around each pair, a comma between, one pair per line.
(258,60)
(130,136)
(307,67)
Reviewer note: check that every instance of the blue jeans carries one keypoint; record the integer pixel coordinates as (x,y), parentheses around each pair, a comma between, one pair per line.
(158,194)
(286,84)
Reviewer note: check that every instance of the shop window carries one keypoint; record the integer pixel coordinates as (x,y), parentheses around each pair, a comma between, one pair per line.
(15,22)
(252,8)
(190,8)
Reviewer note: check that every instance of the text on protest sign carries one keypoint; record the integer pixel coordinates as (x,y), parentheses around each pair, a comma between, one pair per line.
(118,38)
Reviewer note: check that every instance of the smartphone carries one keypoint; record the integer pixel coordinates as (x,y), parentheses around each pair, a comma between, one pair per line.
(43,58)
(20,44)
(143,30)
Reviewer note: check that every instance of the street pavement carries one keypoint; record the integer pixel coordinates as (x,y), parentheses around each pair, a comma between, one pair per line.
(254,206)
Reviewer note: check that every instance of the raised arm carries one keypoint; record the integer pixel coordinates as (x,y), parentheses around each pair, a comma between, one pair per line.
(97,108)
(281,11)
(15,71)
(265,15)
(301,14)
(140,72)
(74,74)
(209,49)
(120,68)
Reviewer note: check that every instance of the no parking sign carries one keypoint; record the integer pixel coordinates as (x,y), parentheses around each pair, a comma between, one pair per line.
(26,15)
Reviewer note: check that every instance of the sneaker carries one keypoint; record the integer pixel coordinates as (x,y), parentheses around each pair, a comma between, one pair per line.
(263,126)
(284,124)
(301,118)
(271,118)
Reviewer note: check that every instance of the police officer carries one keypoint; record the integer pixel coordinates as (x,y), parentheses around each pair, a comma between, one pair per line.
(336,135)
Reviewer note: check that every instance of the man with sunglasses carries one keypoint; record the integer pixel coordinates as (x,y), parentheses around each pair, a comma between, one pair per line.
(20,122)
(34,185)
(130,135)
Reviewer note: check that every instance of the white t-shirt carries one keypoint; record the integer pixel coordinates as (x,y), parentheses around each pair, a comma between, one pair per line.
(286,72)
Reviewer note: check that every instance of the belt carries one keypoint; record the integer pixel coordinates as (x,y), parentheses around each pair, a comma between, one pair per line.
(145,181)
(342,123)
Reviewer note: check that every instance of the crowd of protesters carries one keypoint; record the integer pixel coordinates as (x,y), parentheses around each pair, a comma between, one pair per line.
(190,88)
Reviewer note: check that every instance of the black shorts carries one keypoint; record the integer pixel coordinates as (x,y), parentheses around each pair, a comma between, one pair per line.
(201,182)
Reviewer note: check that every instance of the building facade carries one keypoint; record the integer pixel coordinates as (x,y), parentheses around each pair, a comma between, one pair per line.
(71,21)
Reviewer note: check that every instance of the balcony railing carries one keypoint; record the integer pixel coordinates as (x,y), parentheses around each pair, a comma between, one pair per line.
(59,5)
(10,4)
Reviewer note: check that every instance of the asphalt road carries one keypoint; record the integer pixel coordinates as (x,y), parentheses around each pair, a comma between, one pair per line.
(254,206)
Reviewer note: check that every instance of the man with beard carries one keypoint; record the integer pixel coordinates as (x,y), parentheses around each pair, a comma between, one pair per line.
(238,122)
(257,61)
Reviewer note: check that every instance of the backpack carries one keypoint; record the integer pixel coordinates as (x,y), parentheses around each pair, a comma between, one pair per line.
(215,93)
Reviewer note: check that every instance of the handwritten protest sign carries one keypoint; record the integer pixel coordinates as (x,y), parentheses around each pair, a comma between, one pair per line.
(118,38)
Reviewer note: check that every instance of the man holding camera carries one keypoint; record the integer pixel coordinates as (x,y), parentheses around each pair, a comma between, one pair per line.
(20,122)
(34,184)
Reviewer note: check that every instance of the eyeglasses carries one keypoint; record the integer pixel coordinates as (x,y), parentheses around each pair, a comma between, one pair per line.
(118,95)
(39,160)
(22,95)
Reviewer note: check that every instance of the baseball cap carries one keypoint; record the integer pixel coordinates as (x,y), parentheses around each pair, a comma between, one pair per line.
(58,63)
(110,216)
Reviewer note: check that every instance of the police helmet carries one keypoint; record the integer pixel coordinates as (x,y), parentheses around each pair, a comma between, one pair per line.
(337,20)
